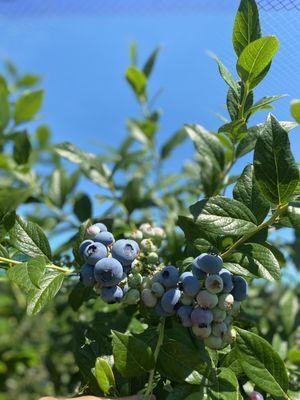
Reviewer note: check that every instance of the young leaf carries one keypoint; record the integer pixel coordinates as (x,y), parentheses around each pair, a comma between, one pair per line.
(82,207)
(104,375)
(29,238)
(255,58)
(28,275)
(233,101)
(138,82)
(275,169)
(261,363)
(149,64)
(49,285)
(58,188)
(247,192)
(246,26)
(132,356)
(175,140)
(27,106)
(226,75)
(264,103)
(295,109)
(223,216)
(22,148)
(4,108)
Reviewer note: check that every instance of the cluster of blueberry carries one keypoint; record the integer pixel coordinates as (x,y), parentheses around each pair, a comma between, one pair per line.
(256,396)
(204,300)
(107,262)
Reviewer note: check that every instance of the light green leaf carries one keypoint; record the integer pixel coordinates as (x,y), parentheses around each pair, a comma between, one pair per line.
(3,252)
(275,169)
(246,26)
(132,356)
(58,187)
(138,82)
(4,108)
(289,307)
(27,106)
(223,216)
(29,238)
(247,192)
(295,109)
(264,103)
(261,363)
(49,286)
(104,375)
(255,58)
(226,75)
(291,217)
(28,274)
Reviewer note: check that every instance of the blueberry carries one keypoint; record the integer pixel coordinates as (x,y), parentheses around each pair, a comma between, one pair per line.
(219,315)
(105,237)
(135,280)
(84,245)
(226,301)
(161,312)
(199,274)
(101,226)
(206,299)
(108,272)
(256,396)
(214,283)
(240,288)
(112,294)
(189,284)
(169,276)
(185,275)
(210,263)
(184,314)
(213,342)
(157,289)
(96,228)
(148,298)
(228,320)
(148,246)
(128,268)
(132,296)
(170,299)
(203,332)
(87,275)
(219,329)
(94,252)
(147,230)
(186,300)
(125,251)
(201,317)
(227,280)
(235,308)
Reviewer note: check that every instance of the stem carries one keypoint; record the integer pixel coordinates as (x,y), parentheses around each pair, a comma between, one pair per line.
(161,330)
(51,266)
(263,225)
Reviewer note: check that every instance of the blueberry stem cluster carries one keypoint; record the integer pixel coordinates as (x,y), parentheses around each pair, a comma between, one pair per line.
(50,266)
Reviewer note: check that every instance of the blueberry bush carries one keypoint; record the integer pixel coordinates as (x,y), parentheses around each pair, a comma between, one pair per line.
(175,288)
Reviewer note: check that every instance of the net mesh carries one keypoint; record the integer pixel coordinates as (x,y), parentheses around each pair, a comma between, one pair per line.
(278,5)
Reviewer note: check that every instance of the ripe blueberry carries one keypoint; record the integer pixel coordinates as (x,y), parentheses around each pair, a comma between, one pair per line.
(84,245)
(189,284)
(105,237)
(226,301)
(184,314)
(240,288)
(256,396)
(94,252)
(213,342)
(170,299)
(203,332)
(161,312)
(197,271)
(201,317)
(125,251)
(168,276)
(206,299)
(112,294)
(108,272)
(87,275)
(148,298)
(210,263)
(214,283)
(227,280)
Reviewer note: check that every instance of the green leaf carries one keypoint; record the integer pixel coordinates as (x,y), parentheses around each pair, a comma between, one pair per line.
(275,169)
(261,363)
(11,198)
(132,356)
(175,140)
(28,274)
(290,218)
(29,238)
(295,109)
(49,286)
(3,252)
(223,216)
(27,106)
(226,75)
(246,26)
(264,103)
(234,100)
(28,80)
(79,295)
(82,207)
(289,307)
(22,148)
(138,82)
(4,108)
(104,375)
(226,386)
(255,58)
(149,64)
(247,192)
(58,188)
(255,260)
(211,157)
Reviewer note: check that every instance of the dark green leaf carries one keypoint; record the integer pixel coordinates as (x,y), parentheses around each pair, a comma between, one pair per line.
(275,169)
(27,106)
(261,363)
(82,207)
(4,108)
(226,386)
(104,375)
(246,26)
(148,67)
(10,199)
(22,148)
(174,141)
(247,192)
(29,238)
(132,356)
(223,216)
(79,294)
(234,101)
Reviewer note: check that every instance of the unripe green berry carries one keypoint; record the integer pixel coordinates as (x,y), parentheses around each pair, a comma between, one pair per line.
(235,308)
(157,289)
(206,299)
(225,301)
(135,280)
(147,230)
(132,297)
(186,300)
(219,315)
(147,282)
(214,283)
(230,335)
(213,342)
(137,235)
(219,329)
(228,320)
(203,332)
(152,258)
(159,233)
(148,246)
(148,298)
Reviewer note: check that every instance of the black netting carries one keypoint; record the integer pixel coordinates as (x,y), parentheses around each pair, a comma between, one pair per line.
(278,5)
